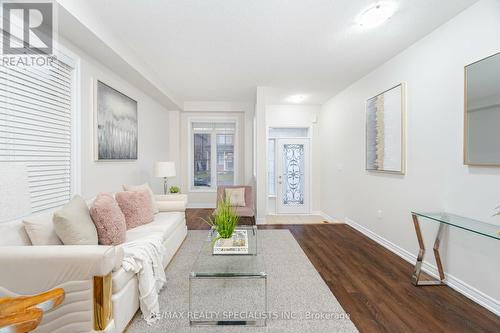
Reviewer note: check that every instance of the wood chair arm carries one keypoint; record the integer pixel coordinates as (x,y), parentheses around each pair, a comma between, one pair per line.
(24,313)
(45,301)
(22,322)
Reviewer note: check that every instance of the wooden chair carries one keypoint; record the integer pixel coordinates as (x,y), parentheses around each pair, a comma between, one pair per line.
(24,313)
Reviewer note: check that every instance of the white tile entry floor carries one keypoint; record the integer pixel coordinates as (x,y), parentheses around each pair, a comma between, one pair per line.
(297,219)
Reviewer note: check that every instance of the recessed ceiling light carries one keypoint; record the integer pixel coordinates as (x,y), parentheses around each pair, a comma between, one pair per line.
(296,98)
(377,14)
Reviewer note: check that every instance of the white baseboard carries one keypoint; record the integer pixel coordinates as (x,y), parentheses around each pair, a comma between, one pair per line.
(453,282)
(260,220)
(327,217)
(200,205)
(318,213)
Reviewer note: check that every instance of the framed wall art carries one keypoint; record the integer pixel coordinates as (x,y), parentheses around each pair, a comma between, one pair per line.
(386,131)
(116,131)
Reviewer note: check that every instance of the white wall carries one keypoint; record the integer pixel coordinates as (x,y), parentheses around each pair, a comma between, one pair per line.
(298,116)
(260,143)
(153,132)
(174,150)
(436,178)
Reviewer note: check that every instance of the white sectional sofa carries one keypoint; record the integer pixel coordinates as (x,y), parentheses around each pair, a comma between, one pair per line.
(100,295)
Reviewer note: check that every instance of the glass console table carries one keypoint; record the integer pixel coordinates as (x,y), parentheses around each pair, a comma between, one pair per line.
(446,219)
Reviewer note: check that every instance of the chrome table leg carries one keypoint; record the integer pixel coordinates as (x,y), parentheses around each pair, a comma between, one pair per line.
(415,279)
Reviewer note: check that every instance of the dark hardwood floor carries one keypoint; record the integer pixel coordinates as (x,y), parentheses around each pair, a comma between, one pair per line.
(373,285)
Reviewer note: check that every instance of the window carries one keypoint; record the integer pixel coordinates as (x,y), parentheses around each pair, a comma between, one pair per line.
(213,154)
(202,160)
(225,159)
(36,128)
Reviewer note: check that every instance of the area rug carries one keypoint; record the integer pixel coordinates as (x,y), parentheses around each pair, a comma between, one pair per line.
(298,298)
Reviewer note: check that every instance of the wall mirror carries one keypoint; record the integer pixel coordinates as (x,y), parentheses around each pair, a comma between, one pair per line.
(482,112)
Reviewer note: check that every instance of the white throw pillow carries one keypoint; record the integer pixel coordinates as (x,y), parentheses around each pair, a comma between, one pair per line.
(236,196)
(40,229)
(143,187)
(73,223)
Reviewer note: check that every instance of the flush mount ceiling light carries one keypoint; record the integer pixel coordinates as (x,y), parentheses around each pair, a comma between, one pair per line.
(376,14)
(296,98)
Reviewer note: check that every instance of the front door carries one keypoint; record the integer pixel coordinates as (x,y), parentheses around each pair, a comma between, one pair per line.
(293,176)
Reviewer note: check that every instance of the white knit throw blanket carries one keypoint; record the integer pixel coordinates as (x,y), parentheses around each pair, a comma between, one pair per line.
(145,258)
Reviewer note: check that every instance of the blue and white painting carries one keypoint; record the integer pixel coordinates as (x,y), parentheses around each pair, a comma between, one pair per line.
(117,136)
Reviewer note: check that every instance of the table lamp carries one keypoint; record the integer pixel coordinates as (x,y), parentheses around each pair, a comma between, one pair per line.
(164,170)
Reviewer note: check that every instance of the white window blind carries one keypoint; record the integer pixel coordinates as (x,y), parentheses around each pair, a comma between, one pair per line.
(36,128)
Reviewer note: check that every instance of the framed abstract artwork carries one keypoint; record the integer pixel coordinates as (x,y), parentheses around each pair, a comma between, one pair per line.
(116,132)
(386,131)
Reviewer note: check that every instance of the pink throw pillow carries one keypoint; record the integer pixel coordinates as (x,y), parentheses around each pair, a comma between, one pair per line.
(108,219)
(136,206)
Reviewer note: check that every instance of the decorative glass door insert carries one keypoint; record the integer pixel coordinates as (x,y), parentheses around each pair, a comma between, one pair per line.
(293,176)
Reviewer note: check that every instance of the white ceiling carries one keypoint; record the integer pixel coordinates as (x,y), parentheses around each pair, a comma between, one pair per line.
(221,50)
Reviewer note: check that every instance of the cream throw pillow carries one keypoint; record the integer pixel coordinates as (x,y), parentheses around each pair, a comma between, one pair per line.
(73,223)
(40,229)
(236,196)
(144,187)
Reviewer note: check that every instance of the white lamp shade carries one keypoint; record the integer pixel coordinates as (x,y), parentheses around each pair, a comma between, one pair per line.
(164,169)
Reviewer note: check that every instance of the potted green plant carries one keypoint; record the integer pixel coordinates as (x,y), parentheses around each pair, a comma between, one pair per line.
(174,189)
(224,222)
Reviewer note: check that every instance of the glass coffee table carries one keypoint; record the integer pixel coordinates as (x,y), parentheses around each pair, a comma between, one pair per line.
(227,289)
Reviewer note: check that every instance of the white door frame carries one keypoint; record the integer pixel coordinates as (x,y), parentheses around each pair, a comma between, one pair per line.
(298,209)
